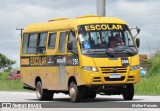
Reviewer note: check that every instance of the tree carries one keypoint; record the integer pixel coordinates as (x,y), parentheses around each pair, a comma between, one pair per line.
(5,62)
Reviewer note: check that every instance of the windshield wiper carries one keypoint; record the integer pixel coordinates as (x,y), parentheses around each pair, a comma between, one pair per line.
(125,49)
(128,52)
(111,54)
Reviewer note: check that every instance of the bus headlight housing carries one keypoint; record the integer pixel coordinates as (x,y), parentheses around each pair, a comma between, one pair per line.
(134,67)
(89,68)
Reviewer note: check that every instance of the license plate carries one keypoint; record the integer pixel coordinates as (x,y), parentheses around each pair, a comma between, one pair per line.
(114,76)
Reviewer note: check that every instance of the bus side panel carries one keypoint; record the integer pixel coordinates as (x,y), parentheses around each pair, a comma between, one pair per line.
(29,75)
(48,77)
(62,77)
(51,78)
(70,72)
(26,76)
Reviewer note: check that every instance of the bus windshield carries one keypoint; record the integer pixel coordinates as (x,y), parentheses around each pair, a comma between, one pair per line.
(106,38)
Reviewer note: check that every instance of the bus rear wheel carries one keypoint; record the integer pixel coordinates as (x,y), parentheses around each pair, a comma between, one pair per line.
(75,92)
(43,94)
(128,92)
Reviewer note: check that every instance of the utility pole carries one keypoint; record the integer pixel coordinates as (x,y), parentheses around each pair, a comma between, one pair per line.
(21,29)
(101,7)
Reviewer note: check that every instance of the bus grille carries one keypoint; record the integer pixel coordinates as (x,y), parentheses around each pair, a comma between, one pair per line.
(107,70)
(131,78)
(96,79)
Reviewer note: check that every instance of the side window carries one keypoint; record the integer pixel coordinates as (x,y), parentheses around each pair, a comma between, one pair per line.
(42,40)
(25,43)
(41,43)
(52,41)
(32,43)
(62,42)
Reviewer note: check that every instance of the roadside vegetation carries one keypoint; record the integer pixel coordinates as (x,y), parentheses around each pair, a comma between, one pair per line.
(5,70)
(6,84)
(150,83)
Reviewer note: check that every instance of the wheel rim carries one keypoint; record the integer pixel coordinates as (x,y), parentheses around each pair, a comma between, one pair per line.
(72,93)
(39,90)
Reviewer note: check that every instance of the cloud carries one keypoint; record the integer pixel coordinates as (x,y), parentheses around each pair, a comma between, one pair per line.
(19,13)
(145,14)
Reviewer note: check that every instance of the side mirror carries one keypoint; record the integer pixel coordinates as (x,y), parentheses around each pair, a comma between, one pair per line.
(138,30)
(69,45)
(138,42)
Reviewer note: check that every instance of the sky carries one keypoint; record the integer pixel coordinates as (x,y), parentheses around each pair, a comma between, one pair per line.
(19,13)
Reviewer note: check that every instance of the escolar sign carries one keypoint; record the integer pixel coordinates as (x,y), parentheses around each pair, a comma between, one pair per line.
(103,27)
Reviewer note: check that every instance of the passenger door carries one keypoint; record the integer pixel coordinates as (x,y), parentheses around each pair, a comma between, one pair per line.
(52,75)
(61,61)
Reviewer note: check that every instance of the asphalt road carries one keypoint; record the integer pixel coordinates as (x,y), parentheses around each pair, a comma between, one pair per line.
(101,102)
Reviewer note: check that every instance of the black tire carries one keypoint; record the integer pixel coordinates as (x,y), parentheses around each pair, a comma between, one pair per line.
(91,95)
(128,92)
(75,92)
(43,94)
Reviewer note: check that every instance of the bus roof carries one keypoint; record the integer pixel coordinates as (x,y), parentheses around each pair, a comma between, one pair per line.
(66,23)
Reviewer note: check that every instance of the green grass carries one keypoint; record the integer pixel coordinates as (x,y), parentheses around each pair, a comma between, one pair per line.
(6,84)
(150,84)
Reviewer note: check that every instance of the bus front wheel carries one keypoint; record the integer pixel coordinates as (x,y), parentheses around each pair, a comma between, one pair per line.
(128,92)
(75,92)
(43,94)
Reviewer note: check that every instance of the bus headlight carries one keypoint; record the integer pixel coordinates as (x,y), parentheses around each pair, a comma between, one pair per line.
(134,67)
(89,68)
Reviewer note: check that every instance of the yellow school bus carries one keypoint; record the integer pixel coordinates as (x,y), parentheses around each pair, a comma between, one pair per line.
(82,57)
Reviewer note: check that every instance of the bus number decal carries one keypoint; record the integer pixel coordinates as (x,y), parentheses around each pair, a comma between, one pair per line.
(125,61)
(75,62)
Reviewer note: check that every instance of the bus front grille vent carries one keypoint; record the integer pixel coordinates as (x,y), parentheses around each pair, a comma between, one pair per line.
(96,79)
(107,70)
(131,78)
